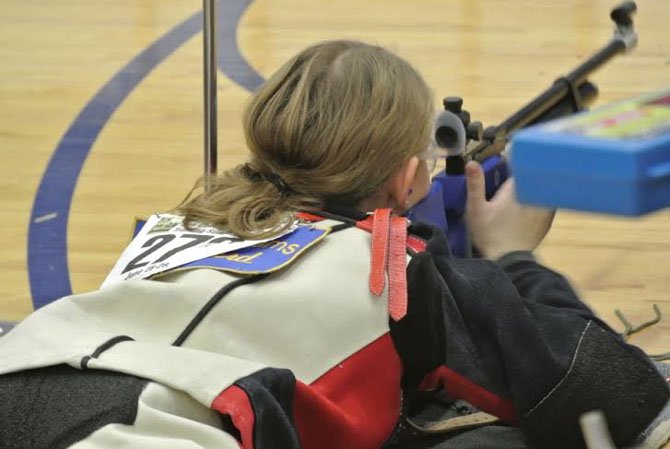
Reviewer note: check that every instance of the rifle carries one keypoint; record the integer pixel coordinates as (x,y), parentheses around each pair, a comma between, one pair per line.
(465,140)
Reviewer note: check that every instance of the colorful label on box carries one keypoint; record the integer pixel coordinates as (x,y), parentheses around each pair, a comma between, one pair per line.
(646,117)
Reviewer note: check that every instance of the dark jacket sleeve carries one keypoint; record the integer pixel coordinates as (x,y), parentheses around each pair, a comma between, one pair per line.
(521,334)
(541,285)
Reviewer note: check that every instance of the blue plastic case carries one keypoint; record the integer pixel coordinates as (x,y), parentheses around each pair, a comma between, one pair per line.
(615,159)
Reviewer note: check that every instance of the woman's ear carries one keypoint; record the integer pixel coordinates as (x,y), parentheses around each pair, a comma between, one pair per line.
(400,184)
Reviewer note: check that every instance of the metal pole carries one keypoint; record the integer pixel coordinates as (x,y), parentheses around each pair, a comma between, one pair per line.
(209,44)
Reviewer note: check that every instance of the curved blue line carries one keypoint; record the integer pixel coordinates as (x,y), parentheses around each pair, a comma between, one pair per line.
(47,234)
(230,60)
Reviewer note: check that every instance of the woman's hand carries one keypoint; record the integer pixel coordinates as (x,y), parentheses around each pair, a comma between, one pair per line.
(502,225)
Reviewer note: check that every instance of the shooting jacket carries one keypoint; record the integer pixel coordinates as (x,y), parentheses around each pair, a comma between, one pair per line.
(308,357)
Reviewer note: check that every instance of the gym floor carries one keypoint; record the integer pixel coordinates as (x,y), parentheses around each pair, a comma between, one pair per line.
(102,120)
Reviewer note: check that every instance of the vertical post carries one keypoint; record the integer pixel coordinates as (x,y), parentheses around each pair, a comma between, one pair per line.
(209,44)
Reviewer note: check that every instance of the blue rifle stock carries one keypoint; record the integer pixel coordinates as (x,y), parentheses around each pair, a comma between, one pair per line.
(444,206)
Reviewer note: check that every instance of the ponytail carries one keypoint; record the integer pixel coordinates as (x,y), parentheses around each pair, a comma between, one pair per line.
(249,203)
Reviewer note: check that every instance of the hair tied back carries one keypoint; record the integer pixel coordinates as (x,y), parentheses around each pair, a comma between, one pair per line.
(254,175)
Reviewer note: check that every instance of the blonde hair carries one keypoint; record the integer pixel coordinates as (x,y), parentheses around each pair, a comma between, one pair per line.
(331,125)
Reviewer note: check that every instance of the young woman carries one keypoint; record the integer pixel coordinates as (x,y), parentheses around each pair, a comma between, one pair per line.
(364,332)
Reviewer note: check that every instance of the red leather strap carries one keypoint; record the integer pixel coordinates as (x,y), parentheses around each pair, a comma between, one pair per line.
(365,225)
(381,223)
(390,256)
(397,269)
(310,218)
(416,244)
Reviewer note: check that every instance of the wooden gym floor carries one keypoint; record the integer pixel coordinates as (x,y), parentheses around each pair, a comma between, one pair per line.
(101,106)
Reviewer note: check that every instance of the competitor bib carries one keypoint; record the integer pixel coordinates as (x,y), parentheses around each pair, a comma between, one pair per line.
(164,244)
(264,257)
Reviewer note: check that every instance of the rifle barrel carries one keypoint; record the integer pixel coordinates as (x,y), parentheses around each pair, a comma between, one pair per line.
(559,90)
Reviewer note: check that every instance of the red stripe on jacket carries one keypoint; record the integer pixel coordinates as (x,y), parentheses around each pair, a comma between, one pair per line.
(460,387)
(234,402)
(355,405)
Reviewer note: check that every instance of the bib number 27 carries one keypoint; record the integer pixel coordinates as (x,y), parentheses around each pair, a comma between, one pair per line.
(156,243)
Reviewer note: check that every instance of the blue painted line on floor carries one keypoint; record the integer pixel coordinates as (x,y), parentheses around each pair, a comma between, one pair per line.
(47,234)
(228,55)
